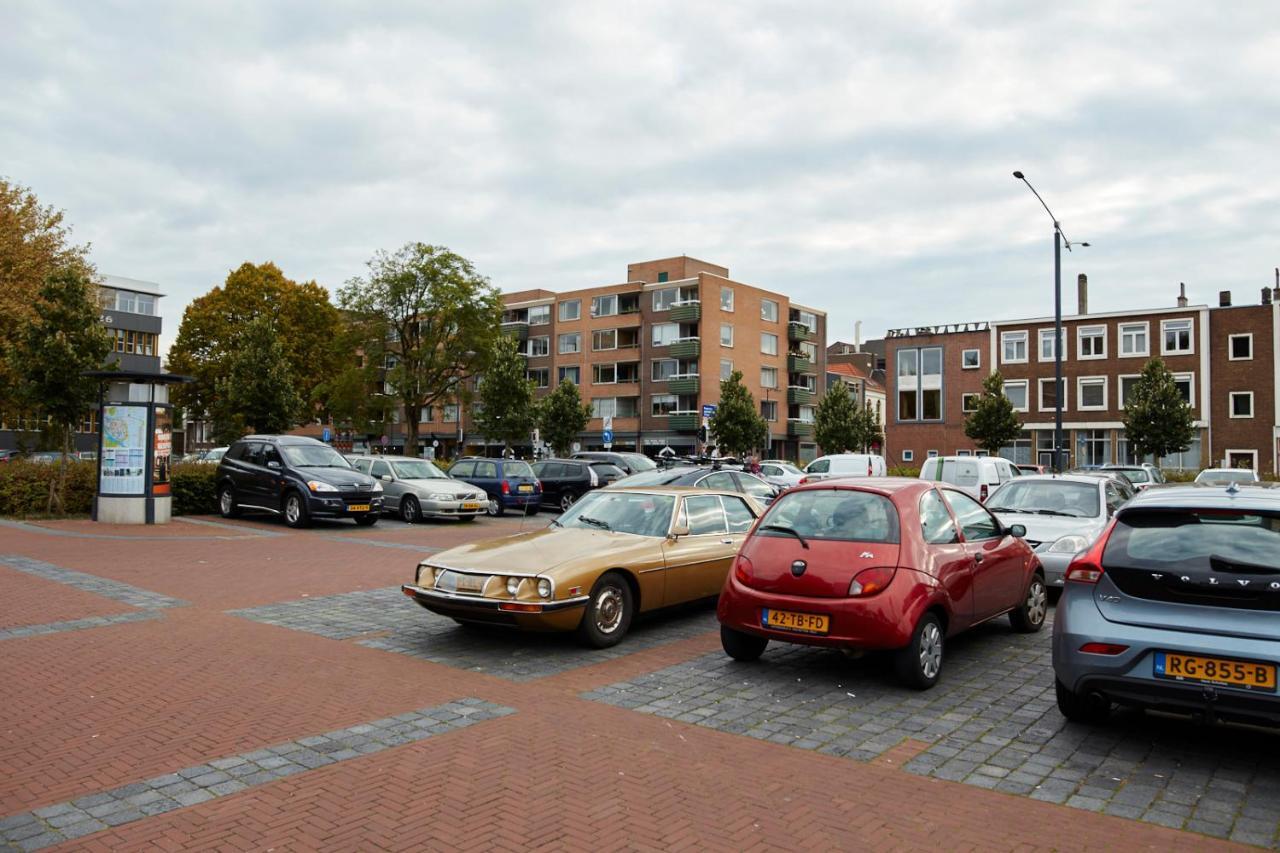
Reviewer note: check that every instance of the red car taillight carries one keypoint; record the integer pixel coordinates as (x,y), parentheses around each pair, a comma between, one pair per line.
(743,570)
(1087,567)
(506,487)
(870,581)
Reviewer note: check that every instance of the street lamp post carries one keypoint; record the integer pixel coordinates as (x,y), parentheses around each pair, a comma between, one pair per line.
(1059,240)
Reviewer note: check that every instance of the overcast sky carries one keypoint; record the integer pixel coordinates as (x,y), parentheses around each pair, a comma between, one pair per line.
(852,155)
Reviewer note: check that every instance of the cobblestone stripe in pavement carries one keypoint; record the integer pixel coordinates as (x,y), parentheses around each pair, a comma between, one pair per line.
(105,587)
(991,722)
(60,822)
(405,628)
(75,624)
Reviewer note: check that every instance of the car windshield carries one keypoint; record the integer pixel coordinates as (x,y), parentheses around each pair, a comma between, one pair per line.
(788,468)
(1183,540)
(1135,475)
(656,477)
(621,512)
(417,469)
(313,456)
(1224,477)
(215,455)
(840,514)
(516,469)
(1047,497)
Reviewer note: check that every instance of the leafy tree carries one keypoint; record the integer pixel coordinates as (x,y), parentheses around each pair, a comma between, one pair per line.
(54,348)
(561,416)
(258,392)
(866,428)
(507,412)
(1157,420)
(737,424)
(433,314)
(836,426)
(993,423)
(306,325)
(34,245)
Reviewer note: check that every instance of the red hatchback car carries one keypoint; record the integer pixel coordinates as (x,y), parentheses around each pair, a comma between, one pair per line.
(883,563)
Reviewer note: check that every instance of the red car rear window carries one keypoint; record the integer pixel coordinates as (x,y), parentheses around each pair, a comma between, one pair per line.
(844,515)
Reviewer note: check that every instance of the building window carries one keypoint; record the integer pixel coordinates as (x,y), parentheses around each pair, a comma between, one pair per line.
(1018,451)
(538,346)
(1241,404)
(1013,347)
(604,374)
(426,415)
(1091,393)
(726,335)
(540,376)
(1092,342)
(726,299)
(908,384)
(806,414)
(768,377)
(769,410)
(603,339)
(570,309)
(1133,340)
(1048,397)
(1016,392)
(768,343)
(1127,384)
(931,454)
(664,299)
(1186,383)
(604,407)
(726,368)
(919,375)
(570,343)
(971,359)
(451,413)
(908,456)
(1176,336)
(604,306)
(1240,347)
(666,404)
(969,403)
(540,315)
(768,310)
(662,277)
(665,333)
(964,453)
(1093,447)
(1046,344)
(571,374)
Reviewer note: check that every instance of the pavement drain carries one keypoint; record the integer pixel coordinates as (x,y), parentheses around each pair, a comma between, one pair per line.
(388,621)
(221,777)
(992,721)
(107,588)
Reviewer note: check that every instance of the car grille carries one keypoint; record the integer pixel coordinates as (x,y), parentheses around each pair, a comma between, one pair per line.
(463,496)
(357,488)
(460,583)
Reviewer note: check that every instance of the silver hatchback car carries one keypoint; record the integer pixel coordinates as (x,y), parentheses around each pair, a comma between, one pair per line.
(415,489)
(1176,606)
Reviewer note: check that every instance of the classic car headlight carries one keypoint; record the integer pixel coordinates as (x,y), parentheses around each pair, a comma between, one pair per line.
(513,586)
(1069,544)
(425,574)
(377,487)
(544,587)
(317,486)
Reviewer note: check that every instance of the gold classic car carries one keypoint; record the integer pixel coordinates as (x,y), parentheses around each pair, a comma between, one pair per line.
(612,555)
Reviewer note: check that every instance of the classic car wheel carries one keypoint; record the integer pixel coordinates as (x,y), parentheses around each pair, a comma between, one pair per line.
(920,663)
(1028,617)
(566,501)
(295,511)
(367,520)
(608,613)
(740,646)
(227,503)
(495,508)
(409,512)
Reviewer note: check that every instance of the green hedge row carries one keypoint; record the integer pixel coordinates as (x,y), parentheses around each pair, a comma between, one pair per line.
(193,489)
(24,487)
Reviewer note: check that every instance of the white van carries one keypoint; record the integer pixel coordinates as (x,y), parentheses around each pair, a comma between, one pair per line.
(977,475)
(845,465)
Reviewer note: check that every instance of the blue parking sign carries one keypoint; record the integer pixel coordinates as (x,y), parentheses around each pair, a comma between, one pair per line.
(708,409)
(325,436)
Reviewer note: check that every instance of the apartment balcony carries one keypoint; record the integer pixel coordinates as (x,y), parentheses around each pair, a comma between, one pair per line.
(798,428)
(518,329)
(685,348)
(799,332)
(684,384)
(686,312)
(798,394)
(684,421)
(799,364)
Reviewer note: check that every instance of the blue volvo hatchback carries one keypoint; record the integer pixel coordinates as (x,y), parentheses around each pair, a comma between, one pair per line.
(1176,606)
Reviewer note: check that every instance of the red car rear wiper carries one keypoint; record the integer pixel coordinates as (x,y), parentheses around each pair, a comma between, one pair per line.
(788,530)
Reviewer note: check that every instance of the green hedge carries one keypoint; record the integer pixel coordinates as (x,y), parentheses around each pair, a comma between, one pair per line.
(24,487)
(903,471)
(193,489)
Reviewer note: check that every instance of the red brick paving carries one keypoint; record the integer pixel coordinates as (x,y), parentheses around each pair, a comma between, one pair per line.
(561,773)
(30,600)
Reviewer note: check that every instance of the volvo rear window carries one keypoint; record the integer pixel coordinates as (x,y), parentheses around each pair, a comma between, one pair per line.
(839,514)
(1222,543)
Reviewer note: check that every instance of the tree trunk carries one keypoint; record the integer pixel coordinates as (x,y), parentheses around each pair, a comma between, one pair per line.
(411,429)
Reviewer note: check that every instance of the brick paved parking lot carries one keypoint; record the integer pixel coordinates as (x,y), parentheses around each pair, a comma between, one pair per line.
(238,685)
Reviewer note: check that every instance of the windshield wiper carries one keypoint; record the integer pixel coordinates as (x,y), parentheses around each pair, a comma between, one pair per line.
(555,522)
(595,522)
(788,530)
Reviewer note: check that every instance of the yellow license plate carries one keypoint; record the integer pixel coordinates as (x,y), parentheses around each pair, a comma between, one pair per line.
(358,508)
(804,623)
(1249,675)
(524,488)
(471,506)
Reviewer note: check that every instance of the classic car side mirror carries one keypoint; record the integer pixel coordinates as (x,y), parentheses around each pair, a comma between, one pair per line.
(678,530)
(1017,530)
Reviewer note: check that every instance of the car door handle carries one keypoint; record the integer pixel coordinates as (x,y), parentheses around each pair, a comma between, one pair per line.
(728,541)
(978,557)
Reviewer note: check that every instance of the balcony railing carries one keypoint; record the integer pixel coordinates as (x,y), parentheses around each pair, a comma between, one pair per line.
(799,332)
(685,348)
(799,394)
(684,421)
(518,329)
(684,384)
(799,364)
(686,312)
(796,427)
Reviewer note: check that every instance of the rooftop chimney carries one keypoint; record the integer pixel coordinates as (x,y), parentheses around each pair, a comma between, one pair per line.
(1082,291)
(1224,298)
(857,336)
(1275,294)
(1182,294)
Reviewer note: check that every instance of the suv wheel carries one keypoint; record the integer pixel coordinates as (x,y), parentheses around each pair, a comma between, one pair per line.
(295,511)
(741,646)
(1081,709)
(920,663)
(227,503)
(566,501)
(608,613)
(1028,617)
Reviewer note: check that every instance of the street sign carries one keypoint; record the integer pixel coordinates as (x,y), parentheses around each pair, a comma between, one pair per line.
(326,435)
(708,409)
(385,441)
(577,447)
(608,437)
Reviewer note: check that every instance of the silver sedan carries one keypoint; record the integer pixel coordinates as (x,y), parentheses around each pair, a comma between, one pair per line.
(416,489)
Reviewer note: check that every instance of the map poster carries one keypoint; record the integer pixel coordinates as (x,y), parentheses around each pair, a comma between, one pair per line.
(162,455)
(123,464)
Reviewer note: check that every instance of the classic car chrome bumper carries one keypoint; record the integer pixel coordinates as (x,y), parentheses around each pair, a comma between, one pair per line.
(428,597)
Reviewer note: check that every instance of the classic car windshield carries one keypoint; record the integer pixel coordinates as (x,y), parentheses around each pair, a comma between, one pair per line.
(313,456)
(418,469)
(1047,497)
(621,512)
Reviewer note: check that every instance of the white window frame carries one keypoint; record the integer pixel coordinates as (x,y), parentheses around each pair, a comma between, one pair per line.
(1092,380)
(964,354)
(1239,451)
(1083,332)
(723,291)
(562,369)
(1231,348)
(963,452)
(931,454)
(723,362)
(1231,405)
(1122,328)
(1026,393)
(775,377)
(1120,387)
(540,308)
(1191,336)
(728,326)
(560,341)
(1040,406)
(604,297)
(1191,380)
(1040,340)
(577,310)
(595,332)
(777,309)
(1007,338)
(908,455)
(773,404)
(763,337)
(966,395)
(529,346)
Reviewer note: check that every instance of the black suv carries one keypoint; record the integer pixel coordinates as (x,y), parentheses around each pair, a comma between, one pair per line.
(299,478)
(566,480)
(630,463)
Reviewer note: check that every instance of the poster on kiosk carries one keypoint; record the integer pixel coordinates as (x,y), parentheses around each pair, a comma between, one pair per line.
(123,464)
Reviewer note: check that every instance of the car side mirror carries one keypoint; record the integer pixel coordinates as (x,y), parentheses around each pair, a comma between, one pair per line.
(274,464)
(678,530)
(1017,530)
(386,478)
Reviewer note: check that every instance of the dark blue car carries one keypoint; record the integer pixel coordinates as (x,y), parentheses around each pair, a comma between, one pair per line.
(509,483)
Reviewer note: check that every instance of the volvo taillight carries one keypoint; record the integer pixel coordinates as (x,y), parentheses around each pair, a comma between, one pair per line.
(1087,567)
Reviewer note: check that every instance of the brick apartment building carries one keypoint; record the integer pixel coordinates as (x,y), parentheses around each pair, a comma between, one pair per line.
(1224,359)
(650,353)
